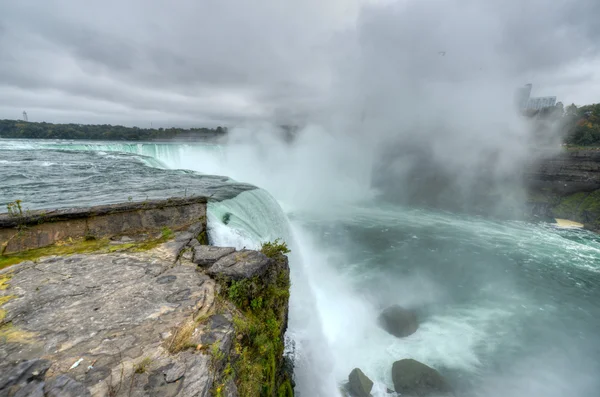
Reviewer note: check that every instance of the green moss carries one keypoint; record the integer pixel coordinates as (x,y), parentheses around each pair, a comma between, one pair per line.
(11,334)
(581,207)
(591,204)
(121,247)
(568,207)
(259,345)
(81,246)
(4,279)
(57,249)
(5,298)
(285,390)
(166,233)
(203,238)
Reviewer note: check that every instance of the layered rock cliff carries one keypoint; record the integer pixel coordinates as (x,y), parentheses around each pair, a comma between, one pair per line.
(567,186)
(553,182)
(151,310)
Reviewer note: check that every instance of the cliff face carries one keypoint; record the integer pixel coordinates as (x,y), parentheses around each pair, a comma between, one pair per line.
(569,172)
(567,186)
(145,314)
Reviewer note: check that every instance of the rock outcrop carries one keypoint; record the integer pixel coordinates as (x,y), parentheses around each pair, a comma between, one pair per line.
(561,183)
(398,321)
(566,173)
(413,378)
(26,230)
(139,318)
(566,186)
(359,385)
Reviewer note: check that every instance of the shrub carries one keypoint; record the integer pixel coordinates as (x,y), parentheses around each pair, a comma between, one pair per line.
(275,248)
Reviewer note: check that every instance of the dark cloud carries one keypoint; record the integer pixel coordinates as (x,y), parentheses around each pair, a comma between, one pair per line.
(232,60)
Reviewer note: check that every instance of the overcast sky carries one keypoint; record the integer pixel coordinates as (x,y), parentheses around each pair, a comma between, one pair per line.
(208,62)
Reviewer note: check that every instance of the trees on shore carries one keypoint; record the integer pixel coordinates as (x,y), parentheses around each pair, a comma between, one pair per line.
(583,125)
(31,130)
(578,126)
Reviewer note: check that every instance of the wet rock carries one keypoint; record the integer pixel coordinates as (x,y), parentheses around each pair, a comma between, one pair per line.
(196,229)
(172,249)
(198,378)
(63,386)
(206,255)
(184,236)
(187,254)
(33,389)
(417,379)
(359,385)
(398,321)
(240,265)
(219,330)
(22,374)
(175,373)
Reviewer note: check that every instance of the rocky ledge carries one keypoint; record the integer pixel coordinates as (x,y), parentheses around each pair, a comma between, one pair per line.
(174,318)
(566,186)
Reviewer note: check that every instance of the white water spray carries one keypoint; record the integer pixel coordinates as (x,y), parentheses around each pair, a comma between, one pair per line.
(248,220)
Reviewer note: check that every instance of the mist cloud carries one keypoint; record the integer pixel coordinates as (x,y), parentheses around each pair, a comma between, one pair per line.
(230,61)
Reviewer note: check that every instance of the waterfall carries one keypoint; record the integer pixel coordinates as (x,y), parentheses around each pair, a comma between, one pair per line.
(246,221)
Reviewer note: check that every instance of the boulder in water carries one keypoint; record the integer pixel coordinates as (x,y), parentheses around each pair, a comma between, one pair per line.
(417,379)
(359,385)
(399,321)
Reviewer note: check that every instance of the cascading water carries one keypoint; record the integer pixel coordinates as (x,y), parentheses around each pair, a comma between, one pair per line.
(506,308)
(246,221)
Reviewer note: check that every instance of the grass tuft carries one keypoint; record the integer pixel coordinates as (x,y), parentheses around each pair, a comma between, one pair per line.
(181,338)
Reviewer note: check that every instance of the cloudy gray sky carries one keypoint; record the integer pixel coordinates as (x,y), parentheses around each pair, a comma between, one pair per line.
(189,62)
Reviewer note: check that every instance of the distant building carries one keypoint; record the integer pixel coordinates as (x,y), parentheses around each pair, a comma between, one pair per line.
(526,102)
(541,102)
(523,95)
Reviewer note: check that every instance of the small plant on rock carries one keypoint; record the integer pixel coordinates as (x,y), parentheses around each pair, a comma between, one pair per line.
(166,233)
(273,249)
(181,339)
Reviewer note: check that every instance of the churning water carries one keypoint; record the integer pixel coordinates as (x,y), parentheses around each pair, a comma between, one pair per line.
(506,308)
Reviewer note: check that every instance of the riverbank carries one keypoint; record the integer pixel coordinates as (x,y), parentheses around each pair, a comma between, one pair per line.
(141,305)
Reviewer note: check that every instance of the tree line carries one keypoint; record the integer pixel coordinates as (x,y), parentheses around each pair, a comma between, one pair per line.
(32,130)
(583,125)
(579,126)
